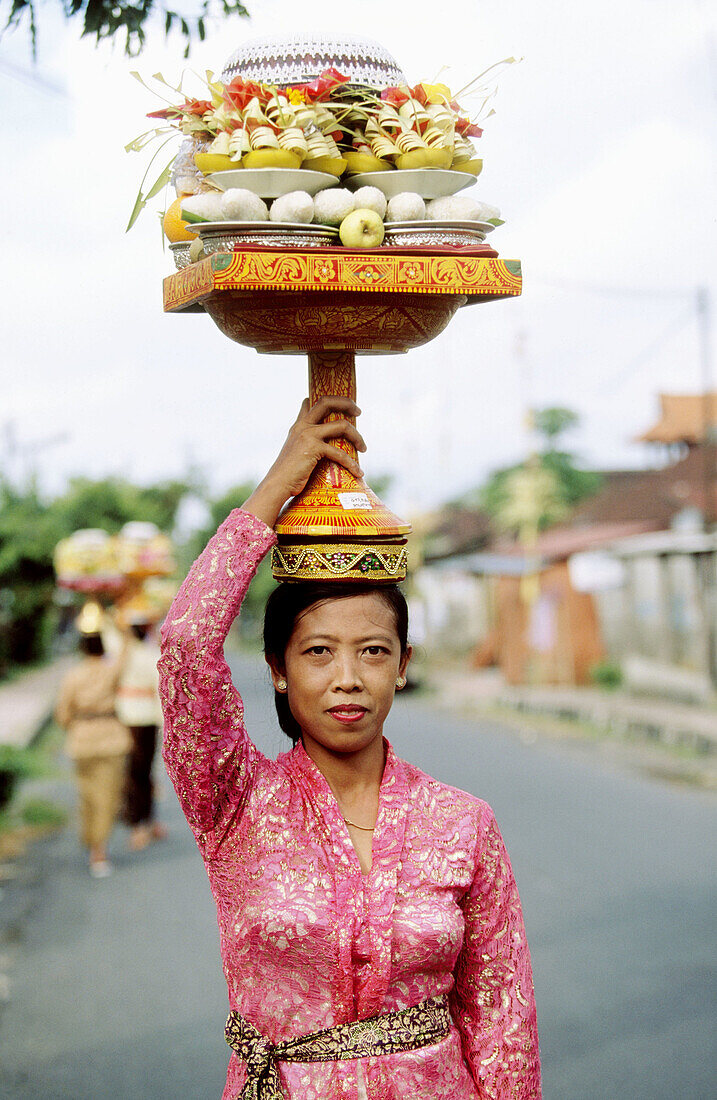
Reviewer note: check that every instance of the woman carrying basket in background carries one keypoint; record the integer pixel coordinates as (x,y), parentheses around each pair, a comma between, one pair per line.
(97,742)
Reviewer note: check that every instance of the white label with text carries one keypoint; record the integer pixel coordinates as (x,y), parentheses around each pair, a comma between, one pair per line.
(352,501)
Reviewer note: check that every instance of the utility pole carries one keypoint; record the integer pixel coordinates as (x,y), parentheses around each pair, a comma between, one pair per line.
(709,412)
(15,454)
(705,563)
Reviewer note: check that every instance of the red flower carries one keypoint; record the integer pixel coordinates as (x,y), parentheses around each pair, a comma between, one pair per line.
(322,87)
(240,92)
(466,128)
(190,107)
(197,106)
(419,93)
(394,96)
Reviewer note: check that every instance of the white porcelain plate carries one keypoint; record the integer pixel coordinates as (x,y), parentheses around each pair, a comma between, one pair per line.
(429,183)
(270,183)
(428,223)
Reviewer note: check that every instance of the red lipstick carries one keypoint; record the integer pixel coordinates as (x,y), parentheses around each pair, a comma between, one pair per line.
(347,713)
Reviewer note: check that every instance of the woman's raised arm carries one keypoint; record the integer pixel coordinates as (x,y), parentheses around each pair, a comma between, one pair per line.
(206,748)
(208,754)
(309,440)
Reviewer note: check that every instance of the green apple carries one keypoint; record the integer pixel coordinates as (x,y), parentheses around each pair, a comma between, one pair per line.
(362,228)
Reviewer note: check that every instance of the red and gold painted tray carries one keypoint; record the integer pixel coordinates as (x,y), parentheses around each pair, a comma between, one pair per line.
(479,278)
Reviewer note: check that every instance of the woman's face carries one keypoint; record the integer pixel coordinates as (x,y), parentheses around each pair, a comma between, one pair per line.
(341,665)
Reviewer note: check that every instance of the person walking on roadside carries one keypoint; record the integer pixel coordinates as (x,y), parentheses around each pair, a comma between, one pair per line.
(97,742)
(138,706)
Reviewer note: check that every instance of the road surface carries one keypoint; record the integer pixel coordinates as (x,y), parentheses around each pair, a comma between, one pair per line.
(117,991)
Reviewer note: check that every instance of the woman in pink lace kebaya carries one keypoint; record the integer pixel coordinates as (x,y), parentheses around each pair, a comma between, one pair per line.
(371,930)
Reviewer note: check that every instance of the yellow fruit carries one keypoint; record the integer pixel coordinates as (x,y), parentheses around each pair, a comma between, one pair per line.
(215,162)
(417,158)
(475,167)
(271,158)
(175,228)
(333,166)
(439,158)
(437,93)
(365,162)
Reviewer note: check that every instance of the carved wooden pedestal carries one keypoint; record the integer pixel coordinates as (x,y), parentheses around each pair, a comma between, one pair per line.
(331,305)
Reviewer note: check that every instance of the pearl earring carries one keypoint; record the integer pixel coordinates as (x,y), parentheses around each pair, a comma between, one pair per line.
(281,685)
(400,682)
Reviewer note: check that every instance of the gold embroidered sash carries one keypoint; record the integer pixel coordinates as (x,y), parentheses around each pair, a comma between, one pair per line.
(406,1029)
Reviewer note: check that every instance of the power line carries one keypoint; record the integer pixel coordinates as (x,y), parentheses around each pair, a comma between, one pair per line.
(24,76)
(647,353)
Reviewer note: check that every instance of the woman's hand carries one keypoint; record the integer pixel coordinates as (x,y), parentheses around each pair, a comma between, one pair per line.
(308,441)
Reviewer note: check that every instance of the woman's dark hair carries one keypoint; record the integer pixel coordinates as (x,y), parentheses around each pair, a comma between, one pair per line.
(91,645)
(286,605)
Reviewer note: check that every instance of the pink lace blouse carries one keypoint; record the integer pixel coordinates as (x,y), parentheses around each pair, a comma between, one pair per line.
(308,941)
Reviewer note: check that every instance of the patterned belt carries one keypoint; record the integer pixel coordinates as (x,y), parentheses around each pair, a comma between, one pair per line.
(406,1029)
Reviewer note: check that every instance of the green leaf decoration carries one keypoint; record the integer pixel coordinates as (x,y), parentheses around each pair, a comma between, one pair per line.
(139,204)
(141,201)
(161,181)
(138,143)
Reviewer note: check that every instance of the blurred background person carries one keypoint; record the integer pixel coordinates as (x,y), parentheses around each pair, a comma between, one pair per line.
(97,741)
(139,708)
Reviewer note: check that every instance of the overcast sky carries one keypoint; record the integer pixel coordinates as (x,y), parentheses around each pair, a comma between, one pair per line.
(602,156)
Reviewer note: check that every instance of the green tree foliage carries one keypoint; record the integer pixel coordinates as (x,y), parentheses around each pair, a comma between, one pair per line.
(571,483)
(117,18)
(553,422)
(30,528)
(27,540)
(110,503)
(575,484)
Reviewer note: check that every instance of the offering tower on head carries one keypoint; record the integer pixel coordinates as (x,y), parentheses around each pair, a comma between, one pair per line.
(291,119)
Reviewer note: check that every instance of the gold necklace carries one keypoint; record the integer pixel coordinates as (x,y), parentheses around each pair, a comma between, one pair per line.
(363,828)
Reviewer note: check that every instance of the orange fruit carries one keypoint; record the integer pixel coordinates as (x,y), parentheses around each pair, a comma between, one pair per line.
(175,228)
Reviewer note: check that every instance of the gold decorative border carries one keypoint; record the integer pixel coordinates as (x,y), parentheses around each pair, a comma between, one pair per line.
(189,284)
(339,562)
(313,519)
(365,272)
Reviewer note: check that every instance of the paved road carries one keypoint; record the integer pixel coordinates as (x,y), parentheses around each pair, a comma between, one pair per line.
(117,988)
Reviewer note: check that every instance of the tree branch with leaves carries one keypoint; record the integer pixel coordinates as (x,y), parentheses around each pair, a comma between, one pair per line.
(105,19)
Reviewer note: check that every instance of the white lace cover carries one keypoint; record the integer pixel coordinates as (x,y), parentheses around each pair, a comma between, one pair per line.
(293,59)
